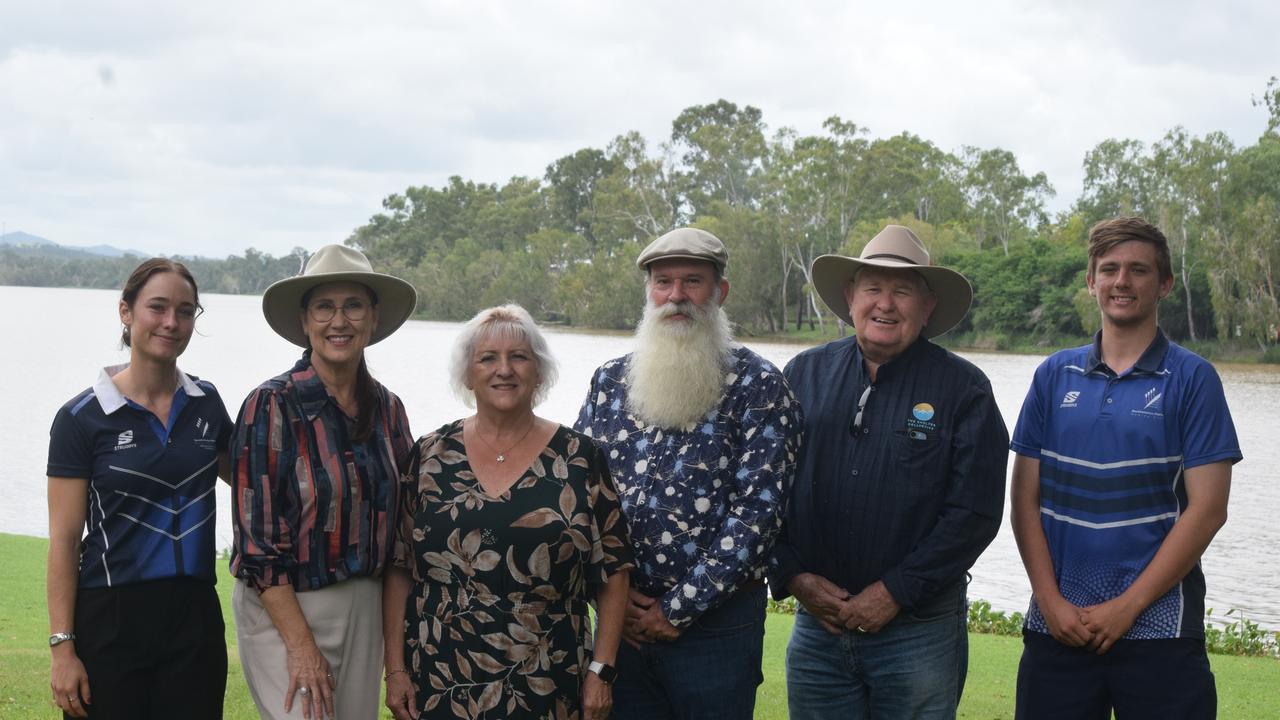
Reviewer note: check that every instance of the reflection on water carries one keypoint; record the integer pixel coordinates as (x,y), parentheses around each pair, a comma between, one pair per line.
(63,336)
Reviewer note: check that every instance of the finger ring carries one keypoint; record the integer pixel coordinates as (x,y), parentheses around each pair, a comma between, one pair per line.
(303,690)
(862,629)
(71,698)
(329,675)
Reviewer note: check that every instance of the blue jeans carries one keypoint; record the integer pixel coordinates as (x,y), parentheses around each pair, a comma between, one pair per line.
(712,670)
(913,668)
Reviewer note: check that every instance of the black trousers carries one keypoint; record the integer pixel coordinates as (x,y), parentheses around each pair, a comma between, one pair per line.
(153,649)
(1138,679)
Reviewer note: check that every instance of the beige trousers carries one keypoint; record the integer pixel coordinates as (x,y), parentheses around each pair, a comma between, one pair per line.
(346,620)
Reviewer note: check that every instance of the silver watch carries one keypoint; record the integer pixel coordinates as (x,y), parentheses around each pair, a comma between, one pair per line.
(59,638)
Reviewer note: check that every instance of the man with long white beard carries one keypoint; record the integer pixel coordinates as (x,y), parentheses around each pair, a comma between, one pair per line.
(701,436)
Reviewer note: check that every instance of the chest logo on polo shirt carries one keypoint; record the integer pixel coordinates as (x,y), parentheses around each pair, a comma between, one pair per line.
(1152,405)
(203,440)
(124,440)
(1069,400)
(921,420)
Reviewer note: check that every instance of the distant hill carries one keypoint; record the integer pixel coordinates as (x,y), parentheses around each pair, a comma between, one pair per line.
(29,244)
(18,237)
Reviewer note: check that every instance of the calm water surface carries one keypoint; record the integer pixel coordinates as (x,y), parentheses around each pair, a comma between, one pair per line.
(63,336)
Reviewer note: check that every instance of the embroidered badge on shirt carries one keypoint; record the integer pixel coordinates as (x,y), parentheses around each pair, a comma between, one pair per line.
(920,424)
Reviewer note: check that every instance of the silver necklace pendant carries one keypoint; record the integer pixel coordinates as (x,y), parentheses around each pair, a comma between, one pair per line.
(502,458)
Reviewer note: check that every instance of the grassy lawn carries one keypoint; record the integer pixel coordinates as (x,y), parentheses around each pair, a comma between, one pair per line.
(1247,687)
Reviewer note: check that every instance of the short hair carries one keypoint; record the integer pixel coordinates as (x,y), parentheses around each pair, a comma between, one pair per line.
(1107,234)
(142,274)
(716,274)
(513,321)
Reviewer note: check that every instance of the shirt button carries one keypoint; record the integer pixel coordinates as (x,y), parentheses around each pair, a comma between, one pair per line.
(855,472)
(1108,401)
(866,430)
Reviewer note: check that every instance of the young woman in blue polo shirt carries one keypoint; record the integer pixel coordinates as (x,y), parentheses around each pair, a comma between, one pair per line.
(136,627)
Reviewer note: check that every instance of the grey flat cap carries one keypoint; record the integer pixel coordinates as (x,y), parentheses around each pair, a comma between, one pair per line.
(687,243)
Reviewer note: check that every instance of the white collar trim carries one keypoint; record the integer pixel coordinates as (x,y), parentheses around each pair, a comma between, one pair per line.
(111,399)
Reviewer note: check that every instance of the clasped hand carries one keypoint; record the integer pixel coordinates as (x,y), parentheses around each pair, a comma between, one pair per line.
(837,610)
(1096,627)
(645,622)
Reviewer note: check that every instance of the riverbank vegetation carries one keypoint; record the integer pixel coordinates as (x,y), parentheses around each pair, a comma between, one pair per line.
(564,245)
(1246,685)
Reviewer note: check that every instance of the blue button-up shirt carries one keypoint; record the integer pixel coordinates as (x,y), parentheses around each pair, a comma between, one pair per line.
(705,502)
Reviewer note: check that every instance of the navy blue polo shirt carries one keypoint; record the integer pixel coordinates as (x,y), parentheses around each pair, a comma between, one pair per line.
(1112,451)
(151,486)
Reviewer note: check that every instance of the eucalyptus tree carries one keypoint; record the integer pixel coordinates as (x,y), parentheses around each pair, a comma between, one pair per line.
(640,199)
(814,190)
(722,148)
(1004,203)
(571,185)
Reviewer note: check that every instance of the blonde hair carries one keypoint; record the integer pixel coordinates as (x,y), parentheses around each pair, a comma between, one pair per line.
(511,321)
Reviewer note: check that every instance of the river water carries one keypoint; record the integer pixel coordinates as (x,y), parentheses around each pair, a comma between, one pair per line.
(62,337)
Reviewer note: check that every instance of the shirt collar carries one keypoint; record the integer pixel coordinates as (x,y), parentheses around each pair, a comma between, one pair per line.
(1148,362)
(312,393)
(901,359)
(111,399)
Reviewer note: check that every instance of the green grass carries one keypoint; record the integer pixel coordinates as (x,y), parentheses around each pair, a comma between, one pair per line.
(1247,686)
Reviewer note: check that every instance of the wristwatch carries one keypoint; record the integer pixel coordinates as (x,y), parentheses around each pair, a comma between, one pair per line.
(59,638)
(607,673)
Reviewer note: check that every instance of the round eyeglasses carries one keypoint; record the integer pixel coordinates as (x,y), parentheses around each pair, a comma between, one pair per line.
(322,311)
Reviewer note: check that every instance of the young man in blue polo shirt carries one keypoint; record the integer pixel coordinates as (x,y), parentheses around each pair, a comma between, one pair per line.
(1123,468)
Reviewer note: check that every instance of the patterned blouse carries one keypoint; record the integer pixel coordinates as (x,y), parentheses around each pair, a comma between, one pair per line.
(703,503)
(496,623)
(311,506)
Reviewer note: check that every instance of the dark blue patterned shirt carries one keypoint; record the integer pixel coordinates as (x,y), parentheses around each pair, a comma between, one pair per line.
(703,503)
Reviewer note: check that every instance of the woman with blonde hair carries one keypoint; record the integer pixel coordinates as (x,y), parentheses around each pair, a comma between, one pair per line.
(508,525)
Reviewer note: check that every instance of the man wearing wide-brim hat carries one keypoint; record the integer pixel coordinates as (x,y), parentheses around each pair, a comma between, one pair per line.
(899,488)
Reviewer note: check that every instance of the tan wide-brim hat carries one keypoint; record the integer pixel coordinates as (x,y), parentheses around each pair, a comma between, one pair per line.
(282,301)
(899,248)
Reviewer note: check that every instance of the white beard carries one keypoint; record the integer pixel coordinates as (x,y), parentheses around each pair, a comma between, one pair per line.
(676,373)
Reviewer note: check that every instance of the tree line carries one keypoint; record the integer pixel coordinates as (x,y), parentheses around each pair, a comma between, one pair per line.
(564,244)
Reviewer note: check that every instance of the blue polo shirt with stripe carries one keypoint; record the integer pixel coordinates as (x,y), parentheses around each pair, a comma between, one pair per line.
(151,511)
(1112,451)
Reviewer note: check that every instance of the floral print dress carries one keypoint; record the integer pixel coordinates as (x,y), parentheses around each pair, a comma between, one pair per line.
(496,624)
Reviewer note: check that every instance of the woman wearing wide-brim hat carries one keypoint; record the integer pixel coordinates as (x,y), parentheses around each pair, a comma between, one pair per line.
(314,463)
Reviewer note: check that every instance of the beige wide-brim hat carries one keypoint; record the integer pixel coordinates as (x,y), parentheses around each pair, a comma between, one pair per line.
(282,301)
(899,248)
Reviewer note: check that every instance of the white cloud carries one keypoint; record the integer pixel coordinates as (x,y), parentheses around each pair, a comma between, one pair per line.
(209,128)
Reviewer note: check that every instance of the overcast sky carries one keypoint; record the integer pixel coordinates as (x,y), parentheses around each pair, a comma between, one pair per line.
(207,128)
